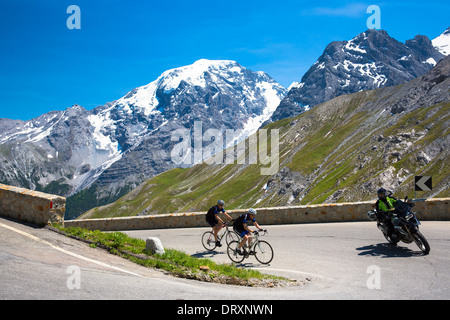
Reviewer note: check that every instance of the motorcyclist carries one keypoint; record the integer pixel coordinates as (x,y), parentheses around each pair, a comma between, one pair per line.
(386,209)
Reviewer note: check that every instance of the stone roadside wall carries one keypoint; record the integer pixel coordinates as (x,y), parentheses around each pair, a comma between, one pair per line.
(41,208)
(31,206)
(431,209)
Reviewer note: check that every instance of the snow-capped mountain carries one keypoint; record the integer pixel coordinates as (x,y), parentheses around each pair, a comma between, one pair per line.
(115,147)
(442,43)
(371,60)
(219,93)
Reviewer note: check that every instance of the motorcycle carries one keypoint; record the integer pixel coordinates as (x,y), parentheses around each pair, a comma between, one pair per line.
(406,228)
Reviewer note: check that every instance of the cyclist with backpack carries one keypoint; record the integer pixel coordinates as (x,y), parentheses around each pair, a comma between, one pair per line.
(212,217)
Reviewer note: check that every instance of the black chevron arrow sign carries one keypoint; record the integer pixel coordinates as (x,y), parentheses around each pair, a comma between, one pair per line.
(423,183)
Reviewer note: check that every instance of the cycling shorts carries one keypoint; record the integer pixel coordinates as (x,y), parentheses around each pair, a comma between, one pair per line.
(212,221)
(241,232)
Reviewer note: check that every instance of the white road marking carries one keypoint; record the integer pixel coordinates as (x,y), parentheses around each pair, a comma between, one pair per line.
(30,236)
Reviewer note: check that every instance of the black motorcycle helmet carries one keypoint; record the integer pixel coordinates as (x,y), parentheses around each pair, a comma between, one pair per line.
(382,194)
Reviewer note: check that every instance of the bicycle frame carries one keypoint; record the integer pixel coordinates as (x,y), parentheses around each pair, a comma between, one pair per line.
(255,241)
(225,232)
(210,244)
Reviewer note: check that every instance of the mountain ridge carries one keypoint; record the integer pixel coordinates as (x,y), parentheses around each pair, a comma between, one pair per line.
(370,60)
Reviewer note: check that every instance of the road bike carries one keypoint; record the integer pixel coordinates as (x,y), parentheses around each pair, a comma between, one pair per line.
(261,249)
(209,242)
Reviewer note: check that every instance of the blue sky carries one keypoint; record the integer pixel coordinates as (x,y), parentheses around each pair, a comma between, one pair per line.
(121,45)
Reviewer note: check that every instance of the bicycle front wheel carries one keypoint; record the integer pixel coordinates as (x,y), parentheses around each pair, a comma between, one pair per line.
(263,252)
(208,241)
(232,252)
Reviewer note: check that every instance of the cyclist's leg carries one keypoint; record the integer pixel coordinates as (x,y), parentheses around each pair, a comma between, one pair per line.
(213,222)
(245,237)
(216,229)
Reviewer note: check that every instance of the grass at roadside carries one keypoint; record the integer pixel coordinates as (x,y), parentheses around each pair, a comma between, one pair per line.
(175,262)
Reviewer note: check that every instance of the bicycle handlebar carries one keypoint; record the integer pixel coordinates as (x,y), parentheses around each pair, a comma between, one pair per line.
(258,232)
(225,223)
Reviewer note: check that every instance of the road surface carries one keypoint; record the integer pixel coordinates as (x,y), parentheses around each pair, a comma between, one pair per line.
(340,261)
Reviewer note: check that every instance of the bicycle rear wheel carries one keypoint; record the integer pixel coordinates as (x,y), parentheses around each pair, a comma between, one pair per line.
(208,241)
(263,252)
(232,252)
(231,236)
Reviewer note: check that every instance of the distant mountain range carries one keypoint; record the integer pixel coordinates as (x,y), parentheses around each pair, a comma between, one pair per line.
(108,151)
(96,156)
(369,61)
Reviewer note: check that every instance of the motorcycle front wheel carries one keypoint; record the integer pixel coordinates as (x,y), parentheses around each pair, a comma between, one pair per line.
(421,242)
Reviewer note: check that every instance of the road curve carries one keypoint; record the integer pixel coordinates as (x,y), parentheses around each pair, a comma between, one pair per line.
(341,259)
(337,259)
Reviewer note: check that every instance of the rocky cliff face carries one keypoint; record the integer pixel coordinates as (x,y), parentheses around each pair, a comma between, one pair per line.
(371,60)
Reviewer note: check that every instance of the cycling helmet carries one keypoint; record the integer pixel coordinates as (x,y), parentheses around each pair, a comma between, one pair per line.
(221,202)
(252,211)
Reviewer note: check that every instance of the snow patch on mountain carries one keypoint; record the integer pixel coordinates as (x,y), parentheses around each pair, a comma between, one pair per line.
(273,99)
(101,138)
(442,43)
(195,75)
(143,98)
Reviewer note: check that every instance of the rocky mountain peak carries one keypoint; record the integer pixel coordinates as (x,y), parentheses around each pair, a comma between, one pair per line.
(371,60)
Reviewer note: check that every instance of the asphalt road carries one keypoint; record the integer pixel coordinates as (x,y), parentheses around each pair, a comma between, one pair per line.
(340,261)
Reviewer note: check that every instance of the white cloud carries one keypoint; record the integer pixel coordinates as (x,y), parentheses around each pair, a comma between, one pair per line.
(352,10)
